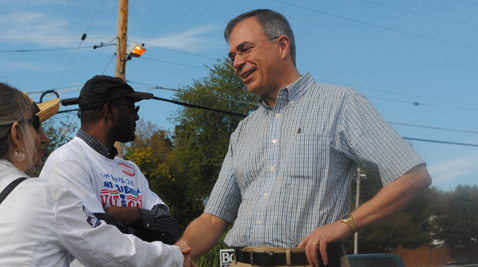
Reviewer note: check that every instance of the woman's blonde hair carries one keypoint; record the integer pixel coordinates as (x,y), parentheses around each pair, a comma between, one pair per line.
(15,106)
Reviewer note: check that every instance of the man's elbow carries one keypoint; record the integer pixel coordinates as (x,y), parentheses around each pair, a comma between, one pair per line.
(421,177)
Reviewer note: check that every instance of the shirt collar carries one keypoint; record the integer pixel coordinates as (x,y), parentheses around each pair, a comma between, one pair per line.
(294,90)
(96,145)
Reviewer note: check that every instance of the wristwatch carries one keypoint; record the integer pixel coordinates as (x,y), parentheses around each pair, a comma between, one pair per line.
(349,220)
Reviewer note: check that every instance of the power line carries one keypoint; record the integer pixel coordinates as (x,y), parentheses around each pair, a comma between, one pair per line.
(201,107)
(169,62)
(434,128)
(402,94)
(52,49)
(418,13)
(51,39)
(108,63)
(169,49)
(419,104)
(471,3)
(195,93)
(83,37)
(378,26)
(251,103)
(440,142)
(243,116)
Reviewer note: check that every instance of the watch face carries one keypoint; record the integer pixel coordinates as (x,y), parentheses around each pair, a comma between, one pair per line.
(345,217)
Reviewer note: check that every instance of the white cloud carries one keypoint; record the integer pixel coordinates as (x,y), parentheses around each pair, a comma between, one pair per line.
(29,66)
(191,40)
(35,26)
(445,171)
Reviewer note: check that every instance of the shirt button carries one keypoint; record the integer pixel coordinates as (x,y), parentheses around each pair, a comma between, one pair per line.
(258,222)
(147,225)
(277,115)
(274,141)
(292,102)
(272,168)
(266,194)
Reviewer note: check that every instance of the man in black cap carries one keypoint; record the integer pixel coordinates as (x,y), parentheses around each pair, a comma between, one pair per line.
(112,188)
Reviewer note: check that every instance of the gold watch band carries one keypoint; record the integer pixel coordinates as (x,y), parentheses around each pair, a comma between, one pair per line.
(349,220)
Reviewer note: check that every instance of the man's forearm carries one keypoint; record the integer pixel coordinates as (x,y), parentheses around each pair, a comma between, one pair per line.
(126,215)
(201,235)
(393,197)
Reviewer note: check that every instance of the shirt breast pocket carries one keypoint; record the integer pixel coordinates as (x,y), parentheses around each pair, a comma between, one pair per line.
(308,156)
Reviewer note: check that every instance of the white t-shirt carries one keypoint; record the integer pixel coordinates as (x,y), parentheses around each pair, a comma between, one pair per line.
(42,223)
(98,181)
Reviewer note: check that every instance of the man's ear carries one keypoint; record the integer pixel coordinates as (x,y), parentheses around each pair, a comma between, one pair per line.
(284,44)
(107,110)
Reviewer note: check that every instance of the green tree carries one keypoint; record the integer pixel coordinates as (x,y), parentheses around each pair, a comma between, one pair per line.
(409,227)
(457,225)
(59,132)
(201,137)
(153,152)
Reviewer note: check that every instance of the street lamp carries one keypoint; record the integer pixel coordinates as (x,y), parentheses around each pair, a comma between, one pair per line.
(357,196)
(135,50)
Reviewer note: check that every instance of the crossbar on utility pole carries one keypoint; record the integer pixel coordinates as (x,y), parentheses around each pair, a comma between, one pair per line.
(122,37)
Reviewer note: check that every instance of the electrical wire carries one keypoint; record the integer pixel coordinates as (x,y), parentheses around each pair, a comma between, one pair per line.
(467,2)
(169,49)
(169,62)
(108,63)
(419,104)
(52,49)
(380,27)
(81,42)
(402,94)
(243,116)
(51,39)
(434,128)
(250,103)
(418,13)
(195,93)
(440,142)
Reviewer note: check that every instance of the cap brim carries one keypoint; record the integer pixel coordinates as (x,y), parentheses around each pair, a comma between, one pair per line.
(48,109)
(138,96)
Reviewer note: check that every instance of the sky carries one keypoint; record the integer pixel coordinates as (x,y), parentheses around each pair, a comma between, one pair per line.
(415,60)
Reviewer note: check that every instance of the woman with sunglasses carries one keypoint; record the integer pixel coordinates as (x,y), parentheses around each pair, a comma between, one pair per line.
(44,224)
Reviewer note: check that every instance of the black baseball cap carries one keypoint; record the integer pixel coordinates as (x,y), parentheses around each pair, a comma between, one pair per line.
(102,89)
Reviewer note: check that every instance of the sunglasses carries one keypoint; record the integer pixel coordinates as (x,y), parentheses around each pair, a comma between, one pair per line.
(35,121)
(135,109)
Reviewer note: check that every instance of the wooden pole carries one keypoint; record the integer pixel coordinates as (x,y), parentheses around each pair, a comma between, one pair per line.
(122,37)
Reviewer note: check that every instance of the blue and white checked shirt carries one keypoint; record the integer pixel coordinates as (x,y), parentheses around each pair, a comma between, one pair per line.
(289,167)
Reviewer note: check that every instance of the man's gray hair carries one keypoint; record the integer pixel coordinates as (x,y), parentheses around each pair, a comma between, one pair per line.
(273,24)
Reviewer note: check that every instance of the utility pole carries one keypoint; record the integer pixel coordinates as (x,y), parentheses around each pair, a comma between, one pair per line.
(122,37)
(357,196)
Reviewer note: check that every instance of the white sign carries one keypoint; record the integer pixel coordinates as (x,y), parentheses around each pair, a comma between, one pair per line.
(226,256)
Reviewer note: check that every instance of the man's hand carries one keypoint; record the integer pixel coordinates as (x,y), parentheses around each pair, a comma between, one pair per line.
(126,215)
(188,262)
(183,245)
(317,241)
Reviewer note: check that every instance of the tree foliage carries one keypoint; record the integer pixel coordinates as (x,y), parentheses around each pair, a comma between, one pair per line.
(409,227)
(457,224)
(59,132)
(201,137)
(153,152)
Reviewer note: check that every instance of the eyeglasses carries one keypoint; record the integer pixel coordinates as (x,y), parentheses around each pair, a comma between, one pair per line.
(135,108)
(35,121)
(244,50)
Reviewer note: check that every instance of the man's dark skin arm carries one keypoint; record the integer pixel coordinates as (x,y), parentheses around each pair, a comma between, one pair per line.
(149,225)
